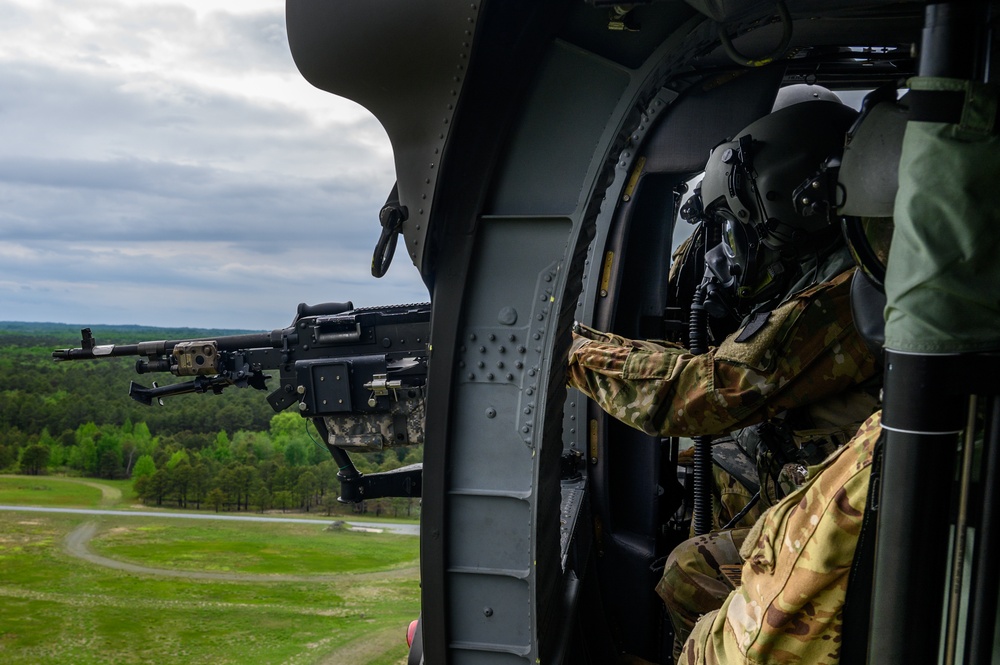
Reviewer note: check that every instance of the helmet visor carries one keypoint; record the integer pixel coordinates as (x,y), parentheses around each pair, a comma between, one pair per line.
(740,247)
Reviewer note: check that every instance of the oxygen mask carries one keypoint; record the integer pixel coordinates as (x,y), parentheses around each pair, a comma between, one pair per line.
(741,272)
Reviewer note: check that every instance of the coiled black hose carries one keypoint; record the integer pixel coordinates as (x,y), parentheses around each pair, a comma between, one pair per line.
(698,343)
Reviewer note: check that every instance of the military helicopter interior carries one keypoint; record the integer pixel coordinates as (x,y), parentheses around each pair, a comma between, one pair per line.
(641,497)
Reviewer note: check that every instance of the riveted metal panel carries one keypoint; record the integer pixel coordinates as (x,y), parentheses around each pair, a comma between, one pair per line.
(491,618)
(495,458)
(503,546)
(494,473)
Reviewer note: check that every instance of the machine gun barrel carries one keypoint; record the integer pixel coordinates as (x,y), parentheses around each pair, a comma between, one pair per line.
(90,350)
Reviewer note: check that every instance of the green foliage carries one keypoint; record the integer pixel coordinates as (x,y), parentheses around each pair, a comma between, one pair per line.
(109,455)
(226,452)
(177,458)
(144,467)
(216,498)
(34,459)
(221,450)
(8,456)
(57,455)
(285,426)
(86,431)
(83,457)
(36,392)
(296,453)
(141,436)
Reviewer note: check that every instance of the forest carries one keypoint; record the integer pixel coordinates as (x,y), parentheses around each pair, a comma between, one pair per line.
(224,452)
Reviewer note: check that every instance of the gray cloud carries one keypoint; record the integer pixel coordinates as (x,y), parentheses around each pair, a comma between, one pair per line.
(134,190)
(141,200)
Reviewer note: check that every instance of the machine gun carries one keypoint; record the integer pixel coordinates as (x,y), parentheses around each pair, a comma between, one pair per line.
(359,374)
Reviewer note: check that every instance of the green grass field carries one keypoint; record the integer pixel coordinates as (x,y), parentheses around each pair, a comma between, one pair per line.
(197,591)
(242,547)
(68,492)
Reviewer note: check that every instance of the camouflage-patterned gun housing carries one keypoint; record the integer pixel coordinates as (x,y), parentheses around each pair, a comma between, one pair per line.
(362,371)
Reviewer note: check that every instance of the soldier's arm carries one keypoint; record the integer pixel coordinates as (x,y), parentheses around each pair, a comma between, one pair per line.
(808,349)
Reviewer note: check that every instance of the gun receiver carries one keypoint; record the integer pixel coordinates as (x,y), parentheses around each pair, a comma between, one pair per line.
(358,373)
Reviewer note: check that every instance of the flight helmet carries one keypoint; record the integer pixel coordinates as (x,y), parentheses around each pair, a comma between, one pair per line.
(769,189)
(802,92)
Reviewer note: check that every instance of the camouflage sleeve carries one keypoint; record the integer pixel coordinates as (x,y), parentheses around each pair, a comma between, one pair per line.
(794,580)
(677,258)
(806,350)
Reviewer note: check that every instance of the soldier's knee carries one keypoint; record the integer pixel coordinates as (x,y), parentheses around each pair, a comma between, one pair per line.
(668,580)
(683,564)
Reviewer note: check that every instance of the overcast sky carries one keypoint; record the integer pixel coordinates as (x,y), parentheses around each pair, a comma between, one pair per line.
(164,163)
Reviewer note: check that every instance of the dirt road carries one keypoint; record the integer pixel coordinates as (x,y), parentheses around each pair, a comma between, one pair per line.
(76,545)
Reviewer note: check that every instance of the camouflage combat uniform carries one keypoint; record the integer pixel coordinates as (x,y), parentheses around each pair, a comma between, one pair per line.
(699,575)
(730,495)
(803,362)
(805,354)
(788,608)
(804,358)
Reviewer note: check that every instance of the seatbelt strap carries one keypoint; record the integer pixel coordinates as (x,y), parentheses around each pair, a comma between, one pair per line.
(857,605)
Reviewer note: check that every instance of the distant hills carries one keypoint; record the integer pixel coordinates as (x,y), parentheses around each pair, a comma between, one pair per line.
(121,334)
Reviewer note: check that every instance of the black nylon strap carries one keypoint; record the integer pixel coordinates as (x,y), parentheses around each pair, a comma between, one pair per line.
(944,106)
(936,105)
(857,605)
(754,326)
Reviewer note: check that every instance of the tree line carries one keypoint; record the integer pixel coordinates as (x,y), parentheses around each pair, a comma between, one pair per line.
(226,452)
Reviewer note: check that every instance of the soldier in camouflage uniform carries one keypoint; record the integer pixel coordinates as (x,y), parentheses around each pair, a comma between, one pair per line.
(788,599)
(798,559)
(796,364)
(810,359)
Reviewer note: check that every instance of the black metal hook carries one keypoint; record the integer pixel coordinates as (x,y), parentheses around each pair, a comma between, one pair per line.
(391,217)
